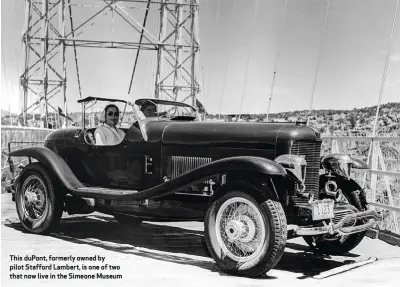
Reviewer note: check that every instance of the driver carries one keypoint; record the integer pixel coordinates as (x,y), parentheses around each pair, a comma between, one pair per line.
(108,133)
(149,109)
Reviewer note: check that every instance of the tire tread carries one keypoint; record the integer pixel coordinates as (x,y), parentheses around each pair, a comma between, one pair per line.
(54,196)
(279,231)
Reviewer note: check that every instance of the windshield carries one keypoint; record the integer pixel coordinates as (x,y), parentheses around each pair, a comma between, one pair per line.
(172,110)
(95,113)
(143,109)
(155,109)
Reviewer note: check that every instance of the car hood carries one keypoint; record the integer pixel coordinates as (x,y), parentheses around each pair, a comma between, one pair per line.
(254,135)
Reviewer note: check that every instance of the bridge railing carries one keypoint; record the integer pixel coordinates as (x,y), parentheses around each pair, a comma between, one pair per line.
(13,138)
(381,152)
(383,155)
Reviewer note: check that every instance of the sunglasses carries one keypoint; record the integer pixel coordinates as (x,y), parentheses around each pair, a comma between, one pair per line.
(110,114)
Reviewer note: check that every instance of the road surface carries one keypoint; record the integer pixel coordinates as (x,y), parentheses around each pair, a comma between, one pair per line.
(170,254)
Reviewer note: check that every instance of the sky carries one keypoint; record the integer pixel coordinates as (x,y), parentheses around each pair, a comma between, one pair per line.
(351,66)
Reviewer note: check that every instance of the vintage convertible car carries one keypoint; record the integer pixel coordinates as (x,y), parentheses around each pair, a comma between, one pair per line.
(253,184)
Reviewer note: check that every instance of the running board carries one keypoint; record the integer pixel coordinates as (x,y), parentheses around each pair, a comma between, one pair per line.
(103,193)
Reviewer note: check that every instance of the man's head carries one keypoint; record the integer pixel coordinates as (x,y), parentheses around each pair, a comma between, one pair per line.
(111,115)
(149,109)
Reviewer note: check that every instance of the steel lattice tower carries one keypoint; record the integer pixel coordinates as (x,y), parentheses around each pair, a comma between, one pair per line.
(51,28)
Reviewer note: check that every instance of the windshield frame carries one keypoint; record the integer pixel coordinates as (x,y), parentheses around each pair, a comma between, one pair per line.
(141,120)
(89,102)
(173,104)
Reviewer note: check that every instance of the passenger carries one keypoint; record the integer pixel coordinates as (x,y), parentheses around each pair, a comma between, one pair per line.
(149,109)
(108,133)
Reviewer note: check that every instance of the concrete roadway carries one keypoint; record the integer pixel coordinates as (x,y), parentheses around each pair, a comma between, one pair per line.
(173,254)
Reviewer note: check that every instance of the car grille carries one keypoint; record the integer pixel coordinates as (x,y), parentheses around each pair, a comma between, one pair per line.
(311,151)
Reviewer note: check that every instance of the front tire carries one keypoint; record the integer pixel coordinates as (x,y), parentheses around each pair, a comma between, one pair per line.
(39,206)
(244,236)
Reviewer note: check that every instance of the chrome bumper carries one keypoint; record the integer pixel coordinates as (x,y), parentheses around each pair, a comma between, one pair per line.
(372,217)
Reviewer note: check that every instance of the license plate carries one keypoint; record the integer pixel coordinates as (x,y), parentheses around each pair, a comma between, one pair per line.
(322,209)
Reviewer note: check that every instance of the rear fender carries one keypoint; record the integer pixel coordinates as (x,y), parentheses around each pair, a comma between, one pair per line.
(53,162)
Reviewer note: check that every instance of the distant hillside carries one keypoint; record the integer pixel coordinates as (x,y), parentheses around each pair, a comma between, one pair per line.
(356,121)
(335,121)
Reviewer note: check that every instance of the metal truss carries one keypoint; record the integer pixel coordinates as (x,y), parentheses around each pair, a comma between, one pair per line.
(51,27)
(176,70)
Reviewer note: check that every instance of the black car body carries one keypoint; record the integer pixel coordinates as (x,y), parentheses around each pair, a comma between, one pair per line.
(179,168)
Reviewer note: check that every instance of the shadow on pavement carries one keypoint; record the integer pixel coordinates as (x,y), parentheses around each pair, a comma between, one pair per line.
(183,246)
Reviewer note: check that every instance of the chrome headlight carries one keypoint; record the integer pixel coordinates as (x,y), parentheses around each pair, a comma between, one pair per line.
(295,166)
(338,163)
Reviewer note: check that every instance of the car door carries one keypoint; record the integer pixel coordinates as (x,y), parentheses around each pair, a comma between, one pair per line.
(122,165)
(110,165)
(143,160)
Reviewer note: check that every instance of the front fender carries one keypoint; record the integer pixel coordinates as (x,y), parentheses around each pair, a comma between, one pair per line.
(53,162)
(342,182)
(242,164)
(346,185)
(245,164)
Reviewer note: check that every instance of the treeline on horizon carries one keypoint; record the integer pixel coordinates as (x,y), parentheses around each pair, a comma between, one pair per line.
(367,111)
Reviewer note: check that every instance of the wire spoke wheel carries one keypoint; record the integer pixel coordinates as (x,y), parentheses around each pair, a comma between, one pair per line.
(35,197)
(245,232)
(39,205)
(240,229)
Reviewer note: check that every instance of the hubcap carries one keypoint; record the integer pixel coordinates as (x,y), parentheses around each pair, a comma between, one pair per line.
(234,230)
(33,199)
(240,229)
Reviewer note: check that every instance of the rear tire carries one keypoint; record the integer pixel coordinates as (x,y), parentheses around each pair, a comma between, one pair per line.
(39,205)
(244,236)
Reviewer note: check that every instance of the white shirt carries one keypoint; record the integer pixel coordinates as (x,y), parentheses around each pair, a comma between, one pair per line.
(106,135)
